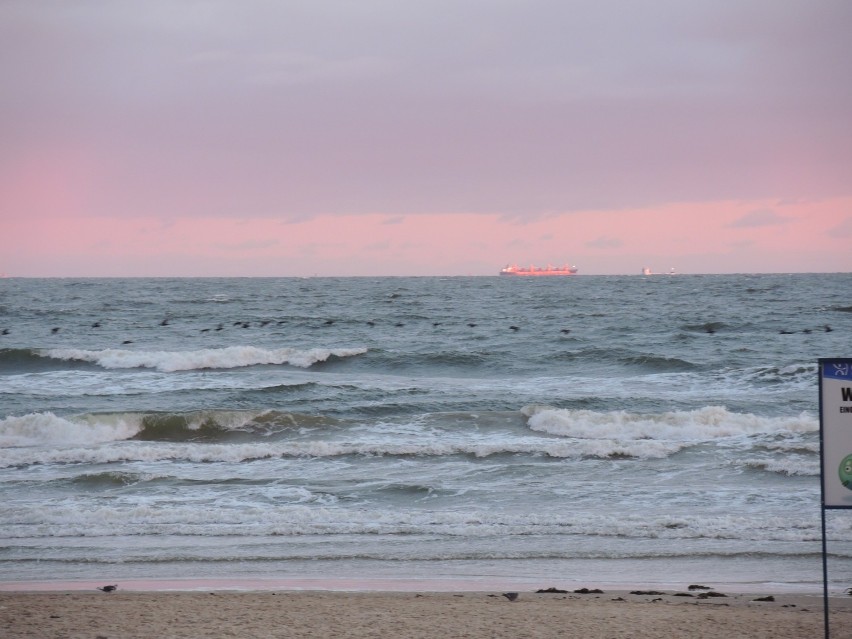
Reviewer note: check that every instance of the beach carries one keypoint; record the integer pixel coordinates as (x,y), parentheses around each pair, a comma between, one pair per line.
(414,615)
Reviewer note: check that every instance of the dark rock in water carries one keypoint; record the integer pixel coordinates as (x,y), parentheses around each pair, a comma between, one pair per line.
(551,589)
(586,591)
(767,598)
(646,592)
(683,594)
(698,587)
(511,596)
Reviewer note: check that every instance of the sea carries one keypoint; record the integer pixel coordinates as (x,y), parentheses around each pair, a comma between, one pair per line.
(454,432)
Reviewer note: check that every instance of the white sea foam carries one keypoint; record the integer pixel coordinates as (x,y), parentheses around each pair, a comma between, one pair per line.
(208,358)
(42,429)
(705,424)
(134,451)
(256,519)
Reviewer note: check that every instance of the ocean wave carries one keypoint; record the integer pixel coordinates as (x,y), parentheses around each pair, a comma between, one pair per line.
(42,429)
(305,519)
(15,361)
(646,362)
(107,479)
(238,436)
(706,424)
(784,466)
(793,375)
(244,452)
(657,363)
(208,358)
(47,430)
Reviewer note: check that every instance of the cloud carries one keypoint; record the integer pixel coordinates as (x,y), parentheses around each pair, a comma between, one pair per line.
(604,242)
(844,229)
(381,246)
(248,245)
(760,218)
(294,110)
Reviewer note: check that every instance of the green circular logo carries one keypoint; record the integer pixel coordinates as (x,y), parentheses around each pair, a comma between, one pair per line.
(845,472)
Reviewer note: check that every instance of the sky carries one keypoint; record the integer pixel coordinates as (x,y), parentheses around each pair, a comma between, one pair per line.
(440,137)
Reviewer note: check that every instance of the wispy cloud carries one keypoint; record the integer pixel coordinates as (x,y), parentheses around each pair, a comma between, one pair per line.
(605,242)
(844,229)
(248,245)
(760,218)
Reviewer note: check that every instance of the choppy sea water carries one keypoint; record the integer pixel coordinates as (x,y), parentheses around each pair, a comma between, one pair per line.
(592,429)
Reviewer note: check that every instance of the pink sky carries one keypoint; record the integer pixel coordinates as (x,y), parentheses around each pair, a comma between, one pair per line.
(424,138)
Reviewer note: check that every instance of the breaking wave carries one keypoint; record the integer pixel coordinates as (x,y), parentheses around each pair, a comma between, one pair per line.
(703,425)
(208,358)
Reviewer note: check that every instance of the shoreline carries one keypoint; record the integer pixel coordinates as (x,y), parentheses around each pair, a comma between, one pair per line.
(393,585)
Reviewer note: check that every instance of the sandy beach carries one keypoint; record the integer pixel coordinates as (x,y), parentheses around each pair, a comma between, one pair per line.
(400,615)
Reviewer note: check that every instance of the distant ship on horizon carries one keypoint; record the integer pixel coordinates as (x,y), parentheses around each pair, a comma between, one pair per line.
(647,271)
(538,271)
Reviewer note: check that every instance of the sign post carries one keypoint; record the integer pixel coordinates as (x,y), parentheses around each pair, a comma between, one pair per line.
(835,434)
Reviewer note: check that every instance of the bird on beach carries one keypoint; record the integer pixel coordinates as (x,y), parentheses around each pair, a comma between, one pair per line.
(112,588)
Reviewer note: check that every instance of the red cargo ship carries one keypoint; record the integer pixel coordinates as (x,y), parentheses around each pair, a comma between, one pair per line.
(538,270)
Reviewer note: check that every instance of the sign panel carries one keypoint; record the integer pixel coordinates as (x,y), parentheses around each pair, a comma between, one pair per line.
(835,381)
